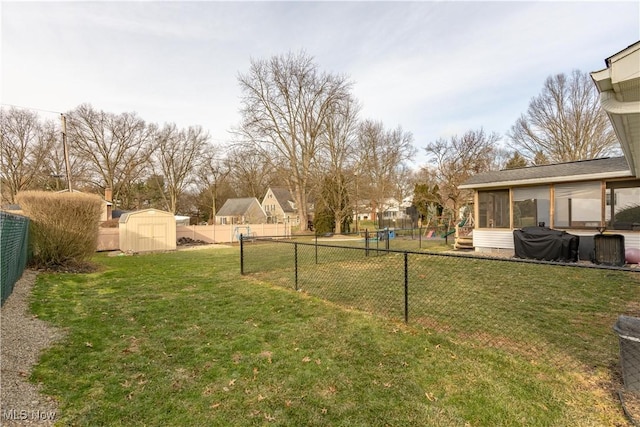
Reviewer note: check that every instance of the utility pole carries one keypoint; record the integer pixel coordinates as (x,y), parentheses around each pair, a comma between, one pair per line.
(66,150)
(213,210)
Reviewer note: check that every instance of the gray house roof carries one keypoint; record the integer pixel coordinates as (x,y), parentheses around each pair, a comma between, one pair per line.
(283,196)
(583,170)
(237,207)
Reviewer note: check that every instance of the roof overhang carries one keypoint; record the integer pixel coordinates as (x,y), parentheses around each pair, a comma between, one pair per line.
(619,87)
(549,180)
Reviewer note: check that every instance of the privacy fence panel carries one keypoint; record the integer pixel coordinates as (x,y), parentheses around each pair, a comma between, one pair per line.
(14,233)
(501,304)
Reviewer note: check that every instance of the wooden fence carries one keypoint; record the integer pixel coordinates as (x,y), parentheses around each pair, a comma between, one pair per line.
(109,238)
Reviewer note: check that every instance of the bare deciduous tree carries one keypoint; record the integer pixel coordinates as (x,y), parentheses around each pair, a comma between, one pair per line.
(564,123)
(336,162)
(458,158)
(211,175)
(286,100)
(382,155)
(250,172)
(117,148)
(176,157)
(24,150)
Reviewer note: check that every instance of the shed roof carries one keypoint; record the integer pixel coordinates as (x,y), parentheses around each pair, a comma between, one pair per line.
(583,170)
(126,215)
(235,207)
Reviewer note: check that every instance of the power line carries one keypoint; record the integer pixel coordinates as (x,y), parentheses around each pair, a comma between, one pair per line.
(31,108)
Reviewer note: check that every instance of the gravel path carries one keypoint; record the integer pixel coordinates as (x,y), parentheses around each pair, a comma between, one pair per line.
(22,339)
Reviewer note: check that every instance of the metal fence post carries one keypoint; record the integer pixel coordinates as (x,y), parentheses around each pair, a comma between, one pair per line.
(386,243)
(316,247)
(366,242)
(295,260)
(406,287)
(241,256)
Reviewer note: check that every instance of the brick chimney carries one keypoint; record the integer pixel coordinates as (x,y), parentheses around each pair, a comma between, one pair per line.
(108,196)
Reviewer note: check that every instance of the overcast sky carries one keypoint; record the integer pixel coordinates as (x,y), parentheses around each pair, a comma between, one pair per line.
(434,68)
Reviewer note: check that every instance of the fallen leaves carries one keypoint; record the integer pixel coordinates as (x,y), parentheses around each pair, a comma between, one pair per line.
(133,346)
(307,359)
(266,355)
(431,397)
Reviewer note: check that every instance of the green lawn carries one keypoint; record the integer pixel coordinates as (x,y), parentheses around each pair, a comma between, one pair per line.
(182,339)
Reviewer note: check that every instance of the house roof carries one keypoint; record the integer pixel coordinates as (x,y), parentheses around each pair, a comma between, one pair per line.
(236,207)
(283,196)
(583,170)
(73,190)
(619,87)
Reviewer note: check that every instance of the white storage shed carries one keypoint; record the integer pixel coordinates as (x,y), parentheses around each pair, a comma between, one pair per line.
(147,230)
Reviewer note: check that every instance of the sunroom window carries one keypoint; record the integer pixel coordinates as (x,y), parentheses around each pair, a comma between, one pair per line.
(493,209)
(623,205)
(531,206)
(578,205)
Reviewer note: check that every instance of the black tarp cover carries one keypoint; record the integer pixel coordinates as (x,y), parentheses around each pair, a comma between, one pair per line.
(543,243)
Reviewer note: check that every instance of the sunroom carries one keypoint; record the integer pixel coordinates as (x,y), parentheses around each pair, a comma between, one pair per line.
(583,198)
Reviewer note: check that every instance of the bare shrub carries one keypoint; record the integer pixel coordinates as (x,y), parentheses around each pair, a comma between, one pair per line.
(64,227)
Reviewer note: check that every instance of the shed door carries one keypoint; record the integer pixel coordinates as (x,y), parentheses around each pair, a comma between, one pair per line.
(152,237)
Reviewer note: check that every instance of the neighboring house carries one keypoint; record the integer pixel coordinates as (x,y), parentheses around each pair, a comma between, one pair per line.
(392,208)
(107,205)
(279,206)
(182,220)
(580,197)
(362,209)
(389,208)
(241,211)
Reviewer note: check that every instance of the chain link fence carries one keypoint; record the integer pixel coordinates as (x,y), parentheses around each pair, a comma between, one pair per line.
(401,239)
(542,311)
(14,233)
